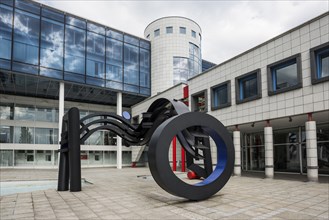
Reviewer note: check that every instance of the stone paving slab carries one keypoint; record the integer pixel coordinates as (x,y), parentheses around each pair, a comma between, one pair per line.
(120,194)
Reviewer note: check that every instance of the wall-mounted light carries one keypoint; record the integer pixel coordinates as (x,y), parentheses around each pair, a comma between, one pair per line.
(253,124)
(290,119)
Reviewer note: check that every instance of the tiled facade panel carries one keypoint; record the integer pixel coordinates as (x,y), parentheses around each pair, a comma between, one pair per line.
(165,46)
(309,98)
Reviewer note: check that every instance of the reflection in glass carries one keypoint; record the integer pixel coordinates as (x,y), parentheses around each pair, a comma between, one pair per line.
(95,55)
(26,37)
(114,50)
(52,37)
(6,16)
(285,75)
(54,15)
(131,72)
(75,50)
(195,61)
(181,69)
(131,40)
(24,135)
(248,87)
(46,114)
(114,34)
(144,61)
(6,112)
(220,96)
(44,136)
(75,22)
(324,64)
(96,28)
(24,113)
(6,134)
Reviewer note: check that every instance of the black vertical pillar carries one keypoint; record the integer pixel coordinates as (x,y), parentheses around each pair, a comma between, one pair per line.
(207,156)
(74,149)
(63,171)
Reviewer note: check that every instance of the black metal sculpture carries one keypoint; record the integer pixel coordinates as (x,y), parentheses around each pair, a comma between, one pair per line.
(164,120)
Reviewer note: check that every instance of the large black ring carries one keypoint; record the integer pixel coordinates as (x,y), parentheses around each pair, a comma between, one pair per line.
(159,161)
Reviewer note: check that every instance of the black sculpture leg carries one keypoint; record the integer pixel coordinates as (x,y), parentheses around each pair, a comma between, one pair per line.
(74,149)
(63,172)
(159,161)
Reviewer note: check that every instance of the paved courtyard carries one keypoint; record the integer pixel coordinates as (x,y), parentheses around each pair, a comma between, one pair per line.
(131,193)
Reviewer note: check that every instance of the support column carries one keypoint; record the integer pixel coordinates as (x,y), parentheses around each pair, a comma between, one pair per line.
(60,115)
(237,149)
(269,165)
(311,149)
(119,140)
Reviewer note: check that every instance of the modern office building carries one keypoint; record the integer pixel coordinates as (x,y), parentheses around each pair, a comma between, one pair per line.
(50,61)
(273,98)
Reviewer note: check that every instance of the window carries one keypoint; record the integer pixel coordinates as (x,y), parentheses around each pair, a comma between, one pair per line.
(284,75)
(182,30)
(95,55)
(51,48)
(156,32)
(248,87)
(221,95)
(193,34)
(199,101)
(169,30)
(6,16)
(75,50)
(131,67)
(26,37)
(195,61)
(180,69)
(320,63)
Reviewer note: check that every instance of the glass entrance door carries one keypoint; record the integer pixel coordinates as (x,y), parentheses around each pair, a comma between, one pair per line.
(253,152)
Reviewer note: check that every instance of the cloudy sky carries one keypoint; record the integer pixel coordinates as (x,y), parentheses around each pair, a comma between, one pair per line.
(228,27)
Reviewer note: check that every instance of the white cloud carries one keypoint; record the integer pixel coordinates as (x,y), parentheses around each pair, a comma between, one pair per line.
(229,27)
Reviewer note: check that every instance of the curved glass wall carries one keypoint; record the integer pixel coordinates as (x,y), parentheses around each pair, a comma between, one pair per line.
(185,68)
(35,39)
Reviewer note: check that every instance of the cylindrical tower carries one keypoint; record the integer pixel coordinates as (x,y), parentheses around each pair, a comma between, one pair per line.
(175,51)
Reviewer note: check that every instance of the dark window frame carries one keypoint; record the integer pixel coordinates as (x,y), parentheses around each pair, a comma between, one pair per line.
(259,87)
(157,32)
(229,98)
(281,64)
(314,63)
(197,94)
(168,29)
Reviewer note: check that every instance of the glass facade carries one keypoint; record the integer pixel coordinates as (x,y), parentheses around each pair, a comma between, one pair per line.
(195,61)
(37,127)
(185,68)
(37,40)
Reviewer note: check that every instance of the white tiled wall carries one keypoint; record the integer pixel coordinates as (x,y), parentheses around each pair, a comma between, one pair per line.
(165,46)
(309,98)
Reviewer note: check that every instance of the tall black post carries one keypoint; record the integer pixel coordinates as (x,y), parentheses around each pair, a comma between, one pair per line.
(74,149)
(63,172)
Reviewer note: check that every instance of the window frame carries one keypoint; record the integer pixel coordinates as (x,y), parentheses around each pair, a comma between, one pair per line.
(157,32)
(182,28)
(259,87)
(229,98)
(280,64)
(314,61)
(171,28)
(193,33)
(194,95)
